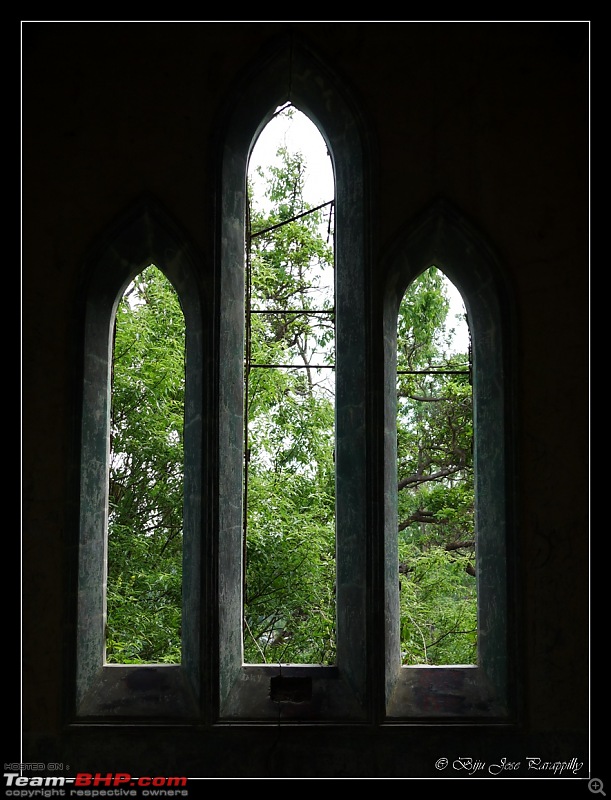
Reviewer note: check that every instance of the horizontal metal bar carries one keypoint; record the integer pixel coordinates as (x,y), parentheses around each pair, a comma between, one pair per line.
(291,366)
(433,371)
(306,311)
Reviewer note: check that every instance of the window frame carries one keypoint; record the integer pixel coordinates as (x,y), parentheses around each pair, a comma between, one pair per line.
(291,74)
(368,685)
(441,237)
(144,235)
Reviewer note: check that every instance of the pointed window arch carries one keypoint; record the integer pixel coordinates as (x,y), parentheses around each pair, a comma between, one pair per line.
(289,398)
(442,238)
(292,74)
(144,236)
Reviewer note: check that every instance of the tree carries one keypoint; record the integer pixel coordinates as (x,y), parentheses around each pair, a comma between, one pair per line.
(146,469)
(289,599)
(438,598)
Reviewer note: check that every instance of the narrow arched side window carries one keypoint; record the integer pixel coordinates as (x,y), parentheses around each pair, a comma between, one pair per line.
(146,480)
(484,689)
(142,237)
(268,692)
(435,486)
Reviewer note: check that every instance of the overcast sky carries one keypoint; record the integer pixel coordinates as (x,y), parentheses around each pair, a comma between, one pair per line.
(298,134)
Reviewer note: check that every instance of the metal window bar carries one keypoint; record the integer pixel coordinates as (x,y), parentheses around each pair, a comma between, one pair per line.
(441,371)
(291,219)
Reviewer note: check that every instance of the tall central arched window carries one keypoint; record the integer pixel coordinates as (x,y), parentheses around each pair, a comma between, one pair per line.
(289,398)
(307,690)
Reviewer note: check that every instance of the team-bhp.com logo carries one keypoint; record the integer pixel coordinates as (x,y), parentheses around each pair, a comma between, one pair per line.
(87,784)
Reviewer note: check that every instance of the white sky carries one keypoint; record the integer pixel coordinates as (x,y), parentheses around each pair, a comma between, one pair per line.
(298,134)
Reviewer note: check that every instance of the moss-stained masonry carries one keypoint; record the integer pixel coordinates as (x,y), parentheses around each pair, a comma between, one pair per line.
(144,235)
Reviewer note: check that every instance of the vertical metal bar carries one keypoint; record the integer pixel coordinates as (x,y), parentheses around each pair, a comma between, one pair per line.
(247,360)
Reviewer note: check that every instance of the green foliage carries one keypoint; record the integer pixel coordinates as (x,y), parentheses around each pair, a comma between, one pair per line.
(437,606)
(290,605)
(438,597)
(146,475)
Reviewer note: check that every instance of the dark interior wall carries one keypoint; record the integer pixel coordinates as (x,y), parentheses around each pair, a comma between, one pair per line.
(494,118)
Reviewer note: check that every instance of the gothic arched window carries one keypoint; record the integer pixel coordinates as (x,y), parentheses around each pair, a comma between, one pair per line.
(141,238)
(443,239)
(311,691)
